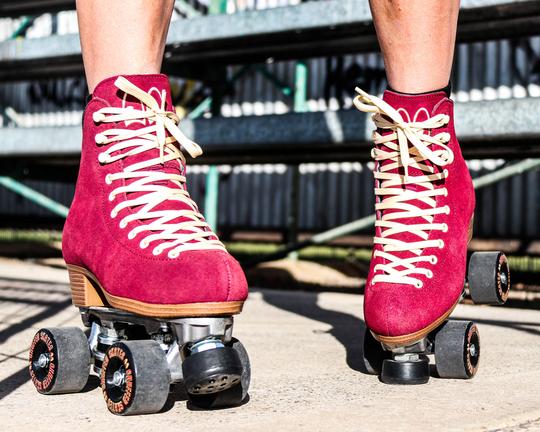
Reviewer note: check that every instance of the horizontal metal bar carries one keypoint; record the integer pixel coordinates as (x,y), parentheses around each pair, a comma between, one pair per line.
(306,30)
(368,221)
(52,141)
(488,129)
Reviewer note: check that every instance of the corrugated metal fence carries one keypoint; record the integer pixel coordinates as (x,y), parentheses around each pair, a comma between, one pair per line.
(256,197)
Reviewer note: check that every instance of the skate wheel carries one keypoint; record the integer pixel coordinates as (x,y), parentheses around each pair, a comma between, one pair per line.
(135,377)
(405,372)
(373,354)
(457,350)
(219,379)
(488,277)
(59,360)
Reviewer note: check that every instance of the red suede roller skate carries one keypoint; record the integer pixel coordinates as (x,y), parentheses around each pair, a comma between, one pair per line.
(143,265)
(424,214)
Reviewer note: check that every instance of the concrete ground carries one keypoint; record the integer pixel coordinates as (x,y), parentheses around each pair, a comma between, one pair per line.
(306,354)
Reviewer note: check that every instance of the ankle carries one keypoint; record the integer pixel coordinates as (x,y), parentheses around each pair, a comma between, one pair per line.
(447,90)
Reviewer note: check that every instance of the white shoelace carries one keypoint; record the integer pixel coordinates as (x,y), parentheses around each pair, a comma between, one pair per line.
(408,144)
(193,233)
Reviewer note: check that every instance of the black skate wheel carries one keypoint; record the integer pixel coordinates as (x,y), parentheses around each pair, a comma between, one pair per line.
(457,349)
(135,377)
(405,372)
(59,360)
(373,354)
(488,277)
(227,370)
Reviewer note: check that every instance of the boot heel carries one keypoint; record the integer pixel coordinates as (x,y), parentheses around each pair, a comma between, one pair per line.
(83,292)
(470,232)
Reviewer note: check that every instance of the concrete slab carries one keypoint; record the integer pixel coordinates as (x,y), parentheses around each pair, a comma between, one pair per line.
(305,350)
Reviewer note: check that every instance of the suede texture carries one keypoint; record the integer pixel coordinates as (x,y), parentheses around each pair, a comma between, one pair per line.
(93,240)
(392,309)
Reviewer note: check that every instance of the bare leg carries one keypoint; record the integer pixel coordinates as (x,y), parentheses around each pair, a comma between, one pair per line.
(417,40)
(122,36)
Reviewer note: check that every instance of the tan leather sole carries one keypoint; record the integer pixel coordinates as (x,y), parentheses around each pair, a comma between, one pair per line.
(411,338)
(86,291)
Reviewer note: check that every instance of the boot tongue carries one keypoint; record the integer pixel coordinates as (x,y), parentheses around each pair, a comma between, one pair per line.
(152,84)
(411,104)
(159,88)
(413,108)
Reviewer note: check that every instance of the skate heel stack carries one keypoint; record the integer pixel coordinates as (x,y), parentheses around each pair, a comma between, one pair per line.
(83,292)
(454,344)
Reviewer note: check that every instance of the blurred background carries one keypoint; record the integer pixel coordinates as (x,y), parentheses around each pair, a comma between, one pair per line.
(268,95)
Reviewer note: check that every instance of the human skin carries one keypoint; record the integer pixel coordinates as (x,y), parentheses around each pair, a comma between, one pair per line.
(417,39)
(122,36)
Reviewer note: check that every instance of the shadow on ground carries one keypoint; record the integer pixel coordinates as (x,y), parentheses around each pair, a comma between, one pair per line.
(347,329)
(48,309)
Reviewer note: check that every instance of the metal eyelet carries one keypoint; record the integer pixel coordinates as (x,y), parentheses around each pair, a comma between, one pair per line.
(441,244)
(113,214)
(433,259)
(157,251)
(131,235)
(108,179)
(445,228)
(143,244)
(122,224)
(102,158)
(447,209)
(418,284)
(429,274)
(173,254)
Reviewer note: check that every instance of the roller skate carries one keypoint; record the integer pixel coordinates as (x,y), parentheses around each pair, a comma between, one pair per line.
(418,272)
(155,287)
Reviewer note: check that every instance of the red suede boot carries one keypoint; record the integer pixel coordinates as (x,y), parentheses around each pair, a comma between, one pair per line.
(424,208)
(134,239)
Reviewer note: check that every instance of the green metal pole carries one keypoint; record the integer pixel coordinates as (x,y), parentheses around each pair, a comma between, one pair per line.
(283,87)
(184,7)
(34,196)
(300,105)
(217,7)
(508,171)
(300,87)
(26,23)
(212,177)
(211,197)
